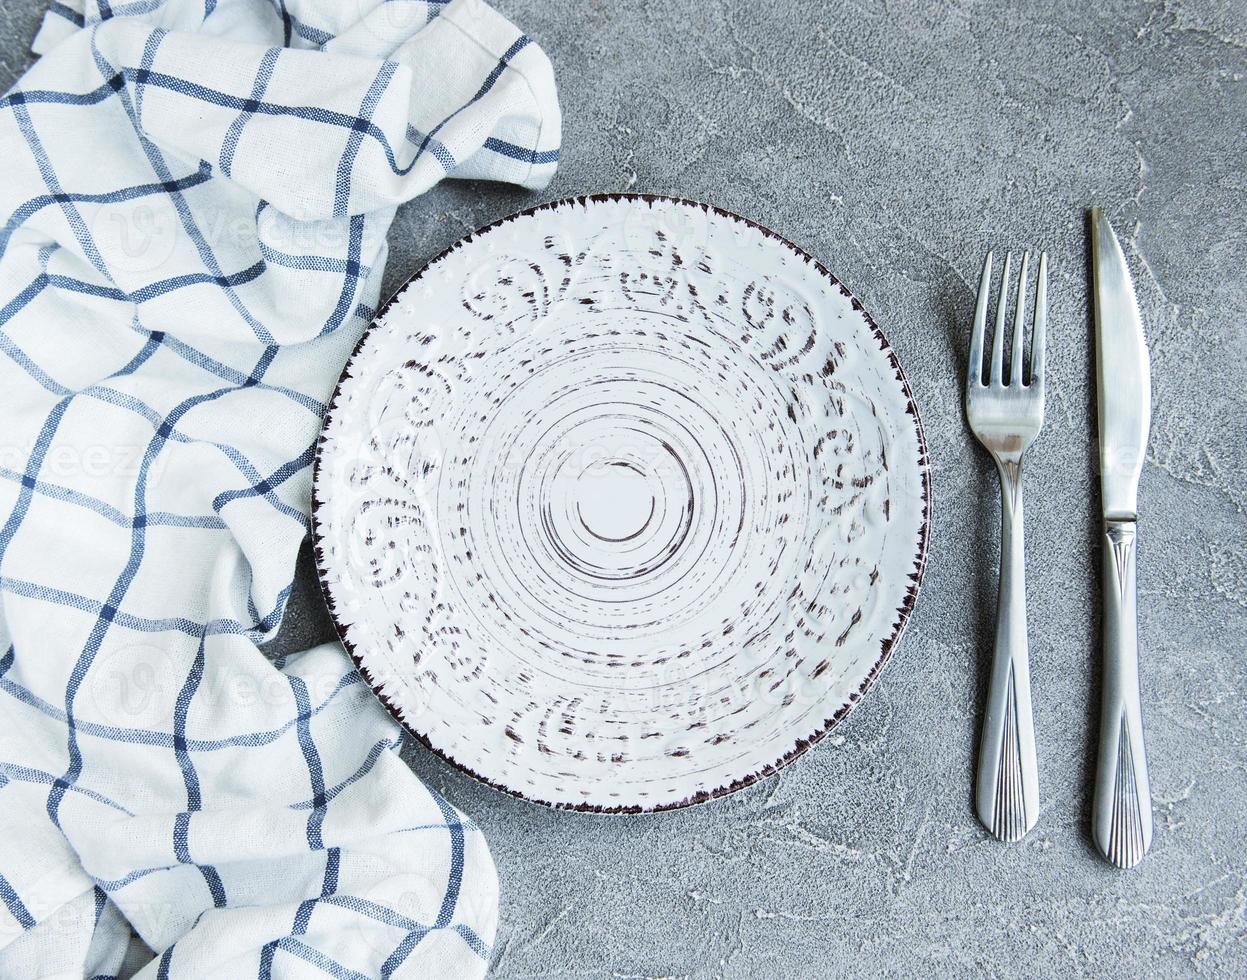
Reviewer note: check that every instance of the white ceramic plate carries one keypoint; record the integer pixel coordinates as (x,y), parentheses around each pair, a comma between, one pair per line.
(621,503)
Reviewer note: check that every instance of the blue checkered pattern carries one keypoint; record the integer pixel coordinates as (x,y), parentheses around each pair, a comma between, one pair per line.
(195,198)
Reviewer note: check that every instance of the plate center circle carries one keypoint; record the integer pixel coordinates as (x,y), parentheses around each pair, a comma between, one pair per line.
(614,501)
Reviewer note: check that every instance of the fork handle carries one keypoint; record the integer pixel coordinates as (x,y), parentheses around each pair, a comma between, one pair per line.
(1007,791)
(1122,812)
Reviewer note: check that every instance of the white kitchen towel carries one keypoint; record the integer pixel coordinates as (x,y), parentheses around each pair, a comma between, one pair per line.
(195,197)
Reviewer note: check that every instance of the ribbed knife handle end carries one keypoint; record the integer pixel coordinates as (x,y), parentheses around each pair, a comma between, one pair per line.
(1130,818)
(1122,812)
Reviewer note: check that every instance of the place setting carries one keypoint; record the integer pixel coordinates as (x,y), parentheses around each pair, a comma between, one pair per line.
(622,503)
(406,581)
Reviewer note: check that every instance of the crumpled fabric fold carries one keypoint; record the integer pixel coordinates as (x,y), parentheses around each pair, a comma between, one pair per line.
(195,199)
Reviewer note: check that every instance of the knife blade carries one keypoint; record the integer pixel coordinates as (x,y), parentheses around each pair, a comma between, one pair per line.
(1122,809)
(1123,374)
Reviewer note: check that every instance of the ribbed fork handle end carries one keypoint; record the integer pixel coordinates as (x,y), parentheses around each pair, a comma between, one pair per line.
(1007,788)
(1122,811)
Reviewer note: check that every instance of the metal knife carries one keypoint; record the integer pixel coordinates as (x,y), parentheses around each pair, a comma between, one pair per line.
(1122,811)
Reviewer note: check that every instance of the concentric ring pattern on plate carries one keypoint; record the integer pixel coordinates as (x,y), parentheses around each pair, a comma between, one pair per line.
(621,503)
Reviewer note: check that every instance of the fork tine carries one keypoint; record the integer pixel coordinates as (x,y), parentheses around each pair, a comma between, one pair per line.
(1019,324)
(1041,321)
(998,338)
(975,369)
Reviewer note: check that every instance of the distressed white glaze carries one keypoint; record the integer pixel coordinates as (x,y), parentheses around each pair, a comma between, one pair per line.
(621,503)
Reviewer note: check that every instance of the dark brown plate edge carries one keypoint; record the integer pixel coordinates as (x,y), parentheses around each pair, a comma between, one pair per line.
(889,644)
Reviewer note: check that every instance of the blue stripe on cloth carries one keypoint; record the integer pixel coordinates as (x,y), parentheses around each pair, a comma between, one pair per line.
(40,777)
(436,147)
(450,899)
(287,21)
(240,461)
(316,818)
(144,736)
(150,346)
(308,33)
(402,951)
(267,952)
(305,262)
(33,464)
(204,93)
(365,767)
(322,962)
(148,292)
(150,47)
(194,800)
(19,356)
(110,513)
(333,864)
(39,96)
(351,282)
(36,204)
(232,135)
(71,15)
(17,908)
(358,126)
(520,152)
(226,373)
(454,880)
(362,124)
(475,943)
(157,161)
(104,618)
(182,706)
(265,487)
(132,9)
(126,620)
(50,179)
(302,917)
(390,917)
(490,80)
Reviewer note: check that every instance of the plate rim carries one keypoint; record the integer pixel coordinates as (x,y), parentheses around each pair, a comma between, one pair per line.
(888,645)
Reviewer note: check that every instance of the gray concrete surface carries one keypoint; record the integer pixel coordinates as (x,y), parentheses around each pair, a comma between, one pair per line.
(896,141)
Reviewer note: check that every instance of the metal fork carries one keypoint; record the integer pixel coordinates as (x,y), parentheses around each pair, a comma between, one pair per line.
(1005,415)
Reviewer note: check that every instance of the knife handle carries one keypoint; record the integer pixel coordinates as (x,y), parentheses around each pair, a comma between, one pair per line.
(1122,811)
(1007,784)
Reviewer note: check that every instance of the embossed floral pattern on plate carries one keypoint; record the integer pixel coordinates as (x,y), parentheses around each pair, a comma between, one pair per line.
(621,503)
